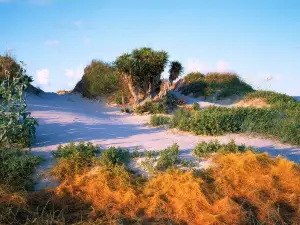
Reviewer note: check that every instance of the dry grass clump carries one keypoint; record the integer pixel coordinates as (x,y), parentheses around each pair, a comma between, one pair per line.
(255,102)
(112,191)
(267,189)
(177,196)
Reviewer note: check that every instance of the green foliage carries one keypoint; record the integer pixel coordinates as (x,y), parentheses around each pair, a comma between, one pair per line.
(271,97)
(175,70)
(205,148)
(219,85)
(157,120)
(151,107)
(85,150)
(74,159)
(220,120)
(141,70)
(16,167)
(196,106)
(114,156)
(16,125)
(168,157)
(99,79)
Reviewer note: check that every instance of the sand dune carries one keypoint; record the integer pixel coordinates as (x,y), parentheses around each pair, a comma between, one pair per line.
(65,118)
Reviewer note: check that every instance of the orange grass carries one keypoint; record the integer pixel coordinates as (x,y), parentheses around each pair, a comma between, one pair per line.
(268,189)
(240,188)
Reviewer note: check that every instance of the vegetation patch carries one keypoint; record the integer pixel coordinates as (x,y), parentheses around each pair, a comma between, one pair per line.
(74,159)
(206,148)
(158,120)
(218,85)
(16,167)
(284,125)
(114,156)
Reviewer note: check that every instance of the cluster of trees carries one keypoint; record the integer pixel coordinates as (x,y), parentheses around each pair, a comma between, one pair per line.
(138,72)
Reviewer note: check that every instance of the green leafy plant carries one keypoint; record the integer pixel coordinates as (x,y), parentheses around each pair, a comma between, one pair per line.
(113,156)
(16,125)
(168,157)
(16,168)
(205,148)
(157,120)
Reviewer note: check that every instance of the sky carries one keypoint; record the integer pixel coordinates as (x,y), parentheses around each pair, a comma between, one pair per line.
(257,39)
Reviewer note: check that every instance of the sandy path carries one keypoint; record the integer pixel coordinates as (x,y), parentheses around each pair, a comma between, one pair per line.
(63,118)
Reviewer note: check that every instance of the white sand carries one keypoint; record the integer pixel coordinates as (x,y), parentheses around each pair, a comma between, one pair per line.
(63,118)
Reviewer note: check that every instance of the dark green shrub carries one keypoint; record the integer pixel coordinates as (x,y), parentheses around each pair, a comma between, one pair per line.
(113,156)
(197,88)
(156,120)
(16,168)
(168,157)
(205,148)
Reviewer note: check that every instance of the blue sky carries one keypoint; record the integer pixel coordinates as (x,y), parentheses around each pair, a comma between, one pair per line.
(258,39)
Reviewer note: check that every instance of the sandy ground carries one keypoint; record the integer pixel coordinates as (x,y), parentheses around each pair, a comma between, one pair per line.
(65,118)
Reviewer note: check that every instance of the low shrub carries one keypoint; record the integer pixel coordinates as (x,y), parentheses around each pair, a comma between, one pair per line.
(271,97)
(206,148)
(99,79)
(16,168)
(74,159)
(219,85)
(284,125)
(115,156)
(168,157)
(151,107)
(157,120)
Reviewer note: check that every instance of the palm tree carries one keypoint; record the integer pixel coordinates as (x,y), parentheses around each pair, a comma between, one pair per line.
(175,71)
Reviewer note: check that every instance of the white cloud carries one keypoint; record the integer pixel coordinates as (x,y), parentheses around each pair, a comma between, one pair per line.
(52,42)
(43,77)
(75,73)
(222,66)
(194,65)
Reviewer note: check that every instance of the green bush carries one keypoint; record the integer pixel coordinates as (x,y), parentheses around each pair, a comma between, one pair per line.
(86,150)
(219,85)
(271,97)
(16,168)
(205,148)
(156,120)
(113,156)
(151,107)
(16,125)
(168,157)
(74,159)
(220,120)
(99,79)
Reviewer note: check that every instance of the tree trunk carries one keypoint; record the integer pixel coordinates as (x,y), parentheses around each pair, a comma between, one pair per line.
(133,90)
(123,99)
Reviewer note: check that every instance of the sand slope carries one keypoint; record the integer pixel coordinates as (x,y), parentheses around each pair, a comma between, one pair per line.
(63,118)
